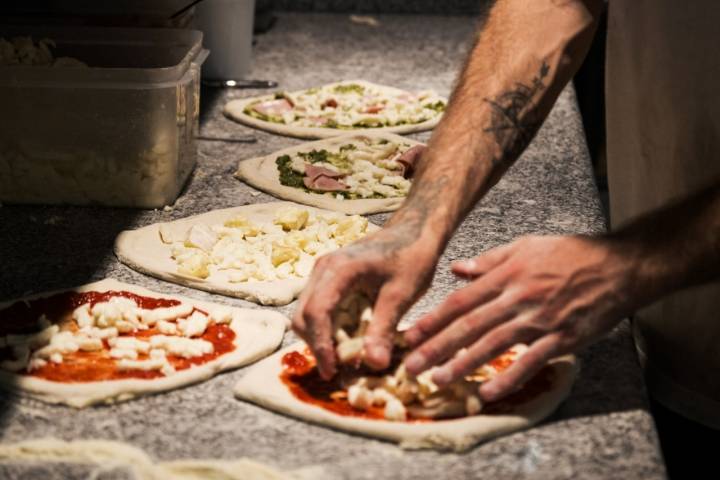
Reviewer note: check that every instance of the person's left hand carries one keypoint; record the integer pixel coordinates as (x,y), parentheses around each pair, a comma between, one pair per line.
(556,294)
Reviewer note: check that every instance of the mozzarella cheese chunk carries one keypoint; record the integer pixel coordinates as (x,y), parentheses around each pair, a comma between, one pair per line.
(194,325)
(151,317)
(181,346)
(167,328)
(220,315)
(123,353)
(130,343)
(285,249)
(144,365)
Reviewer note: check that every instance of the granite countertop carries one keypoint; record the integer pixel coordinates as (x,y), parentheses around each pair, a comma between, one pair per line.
(604,428)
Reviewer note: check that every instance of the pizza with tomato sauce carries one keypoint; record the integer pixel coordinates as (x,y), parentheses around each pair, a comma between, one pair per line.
(336,108)
(108,341)
(394,405)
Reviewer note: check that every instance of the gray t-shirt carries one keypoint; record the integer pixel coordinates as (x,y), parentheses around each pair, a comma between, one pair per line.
(663,132)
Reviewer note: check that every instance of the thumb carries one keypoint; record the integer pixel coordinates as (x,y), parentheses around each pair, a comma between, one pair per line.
(392,302)
(480,265)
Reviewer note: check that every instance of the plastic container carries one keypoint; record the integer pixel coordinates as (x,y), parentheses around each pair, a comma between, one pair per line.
(118,133)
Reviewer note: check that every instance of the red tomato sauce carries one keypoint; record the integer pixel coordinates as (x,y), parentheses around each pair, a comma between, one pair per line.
(21,318)
(301,377)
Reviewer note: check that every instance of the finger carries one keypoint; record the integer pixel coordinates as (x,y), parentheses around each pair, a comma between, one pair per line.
(456,304)
(392,302)
(460,333)
(490,346)
(530,363)
(322,296)
(480,265)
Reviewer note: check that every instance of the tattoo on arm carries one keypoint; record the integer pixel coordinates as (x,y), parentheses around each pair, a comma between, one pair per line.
(514,119)
(407,223)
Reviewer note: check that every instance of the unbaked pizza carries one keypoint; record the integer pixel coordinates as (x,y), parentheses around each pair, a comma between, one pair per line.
(262,252)
(109,341)
(397,406)
(333,109)
(358,173)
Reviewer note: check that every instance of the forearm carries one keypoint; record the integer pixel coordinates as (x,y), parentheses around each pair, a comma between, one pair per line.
(524,56)
(672,248)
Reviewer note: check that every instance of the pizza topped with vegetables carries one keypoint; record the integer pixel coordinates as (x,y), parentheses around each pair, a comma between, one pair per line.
(105,333)
(353,173)
(338,107)
(363,167)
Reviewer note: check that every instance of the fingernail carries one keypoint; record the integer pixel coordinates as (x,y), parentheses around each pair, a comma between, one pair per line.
(377,354)
(414,362)
(488,393)
(442,376)
(464,264)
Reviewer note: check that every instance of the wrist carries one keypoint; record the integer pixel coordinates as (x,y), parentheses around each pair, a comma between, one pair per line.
(644,278)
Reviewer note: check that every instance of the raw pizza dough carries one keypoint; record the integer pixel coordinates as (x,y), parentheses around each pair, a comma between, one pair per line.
(235,109)
(258,333)
(262,173)
(108,454)
(262,385)
(143,250)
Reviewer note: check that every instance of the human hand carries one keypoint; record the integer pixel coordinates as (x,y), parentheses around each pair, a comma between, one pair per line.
(556,294)
(391,267)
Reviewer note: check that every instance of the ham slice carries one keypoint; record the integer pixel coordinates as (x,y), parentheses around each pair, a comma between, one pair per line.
(273,108)
(323,179)
(408,159)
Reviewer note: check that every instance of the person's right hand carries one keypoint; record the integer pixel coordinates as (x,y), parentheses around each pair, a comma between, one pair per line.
(393,267)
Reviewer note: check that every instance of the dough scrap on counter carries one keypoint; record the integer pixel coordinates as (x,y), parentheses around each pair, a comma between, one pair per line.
(112,453)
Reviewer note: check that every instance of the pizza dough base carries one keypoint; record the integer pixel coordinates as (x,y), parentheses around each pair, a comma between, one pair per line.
(143,251)
(257,336)
(235,110)
(262,385)
(108,453)
(262,173)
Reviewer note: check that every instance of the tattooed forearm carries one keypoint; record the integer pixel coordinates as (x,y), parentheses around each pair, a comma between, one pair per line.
(514,119)
(408,223)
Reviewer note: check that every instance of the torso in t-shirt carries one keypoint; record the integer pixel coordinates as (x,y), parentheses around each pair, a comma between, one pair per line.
(663,122)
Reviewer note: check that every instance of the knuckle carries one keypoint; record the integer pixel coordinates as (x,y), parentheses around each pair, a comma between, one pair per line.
(466,326)
(455,301)
(429,351)
(298,324)
(424,326)
(323,349)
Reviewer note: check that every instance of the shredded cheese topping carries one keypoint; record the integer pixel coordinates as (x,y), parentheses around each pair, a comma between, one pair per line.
(249,252)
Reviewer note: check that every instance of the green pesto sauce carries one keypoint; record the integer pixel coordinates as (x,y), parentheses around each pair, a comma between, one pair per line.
(291,178)
(350,87)
(267,118)
(288,176)
(438,106)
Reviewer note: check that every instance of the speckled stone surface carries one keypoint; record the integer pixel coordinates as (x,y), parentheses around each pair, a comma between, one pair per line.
(602,431)
(379,6)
